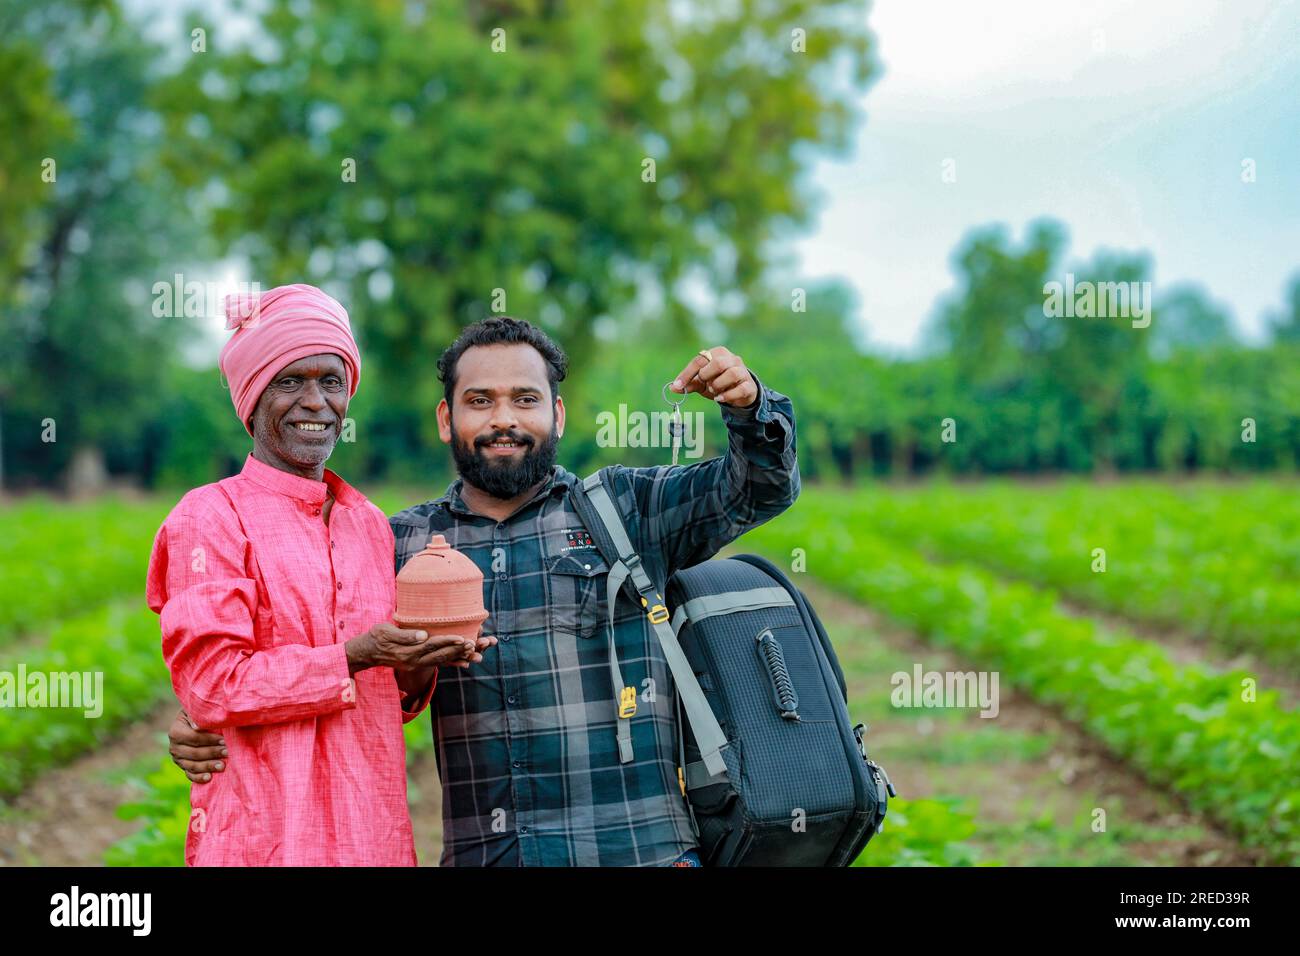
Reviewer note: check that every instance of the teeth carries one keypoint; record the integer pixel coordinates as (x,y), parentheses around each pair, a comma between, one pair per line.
(310,427)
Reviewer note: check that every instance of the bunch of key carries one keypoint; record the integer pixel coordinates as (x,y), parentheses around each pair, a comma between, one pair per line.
(675,426)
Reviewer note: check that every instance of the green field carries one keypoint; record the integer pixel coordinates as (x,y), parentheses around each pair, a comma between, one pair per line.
(994,577)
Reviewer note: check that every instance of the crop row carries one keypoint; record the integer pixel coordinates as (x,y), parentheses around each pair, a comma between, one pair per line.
(106,663)
(1198,733)
(109,662)
(58,558)
(1218,562)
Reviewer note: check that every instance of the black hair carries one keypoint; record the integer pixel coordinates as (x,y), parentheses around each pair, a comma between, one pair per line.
(502,330)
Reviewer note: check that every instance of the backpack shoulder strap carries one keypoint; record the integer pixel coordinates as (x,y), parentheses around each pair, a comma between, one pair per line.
(624,696)
(596,505)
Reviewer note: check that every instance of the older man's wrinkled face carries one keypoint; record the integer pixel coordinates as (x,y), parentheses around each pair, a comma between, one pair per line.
(300,414)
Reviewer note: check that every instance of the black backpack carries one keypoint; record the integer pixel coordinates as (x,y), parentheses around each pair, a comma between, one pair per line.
(773,770)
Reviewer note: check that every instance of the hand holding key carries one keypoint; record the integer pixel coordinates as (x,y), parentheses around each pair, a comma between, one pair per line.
(718,374)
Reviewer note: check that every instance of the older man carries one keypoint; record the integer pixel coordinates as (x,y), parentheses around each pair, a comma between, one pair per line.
(275,590)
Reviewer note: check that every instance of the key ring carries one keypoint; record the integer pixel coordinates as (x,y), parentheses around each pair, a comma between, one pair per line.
(664,392)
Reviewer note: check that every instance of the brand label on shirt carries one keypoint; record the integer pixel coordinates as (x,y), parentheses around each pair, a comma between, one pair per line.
(577,539)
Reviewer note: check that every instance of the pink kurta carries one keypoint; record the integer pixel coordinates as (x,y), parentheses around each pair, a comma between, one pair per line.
(257,596)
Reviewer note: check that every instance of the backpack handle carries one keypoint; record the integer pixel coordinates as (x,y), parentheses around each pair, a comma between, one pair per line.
(769,652)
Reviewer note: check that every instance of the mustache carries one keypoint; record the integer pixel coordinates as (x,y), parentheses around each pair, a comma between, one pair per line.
(484,440)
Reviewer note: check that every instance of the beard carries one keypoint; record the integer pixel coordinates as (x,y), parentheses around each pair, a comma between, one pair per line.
(504,478)
(281,442)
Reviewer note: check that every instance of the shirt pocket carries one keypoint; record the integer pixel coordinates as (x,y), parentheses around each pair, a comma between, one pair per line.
(578,604)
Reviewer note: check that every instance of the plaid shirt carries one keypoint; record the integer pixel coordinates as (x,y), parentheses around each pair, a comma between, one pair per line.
(526,741)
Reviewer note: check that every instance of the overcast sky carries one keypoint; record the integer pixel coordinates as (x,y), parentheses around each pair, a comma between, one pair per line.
(1128,121)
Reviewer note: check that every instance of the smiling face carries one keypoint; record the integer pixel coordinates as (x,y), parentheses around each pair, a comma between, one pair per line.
(300,415)
(501,423)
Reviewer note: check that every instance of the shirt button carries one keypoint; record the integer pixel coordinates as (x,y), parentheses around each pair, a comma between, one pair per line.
(505,638)
(315,511)
(516,764)
(523,829)
(586,567)
(511,700)
(340,585)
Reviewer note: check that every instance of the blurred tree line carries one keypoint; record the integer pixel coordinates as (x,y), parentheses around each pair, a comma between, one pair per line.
(589,166)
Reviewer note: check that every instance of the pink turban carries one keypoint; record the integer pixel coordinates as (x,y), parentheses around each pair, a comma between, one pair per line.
(276,328)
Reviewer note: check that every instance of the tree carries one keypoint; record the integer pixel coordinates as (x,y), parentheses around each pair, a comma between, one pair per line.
(1285,325)
(1039,389)
(799,338)
(1186,318)
(435,163)
(31,122)
(107,226)
(995,319)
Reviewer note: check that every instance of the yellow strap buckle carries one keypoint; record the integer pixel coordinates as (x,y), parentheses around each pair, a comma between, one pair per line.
(657,614)
(627,702)
(681,780)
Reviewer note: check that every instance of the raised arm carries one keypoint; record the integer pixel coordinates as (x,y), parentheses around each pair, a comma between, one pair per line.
(691,512)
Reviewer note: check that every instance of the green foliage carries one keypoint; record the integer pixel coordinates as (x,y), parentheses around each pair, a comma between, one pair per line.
(194,436)
(165,810)
(1285,324)
(519,170)
(1034,391)
(32,123)
(1216,560)
(121,642)
(419,734)
(58,558)
(84,343)
(1186,728)
(1189,320)
(522,171)
(1072,394)
(957,747)
(446,208)
(924,833)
